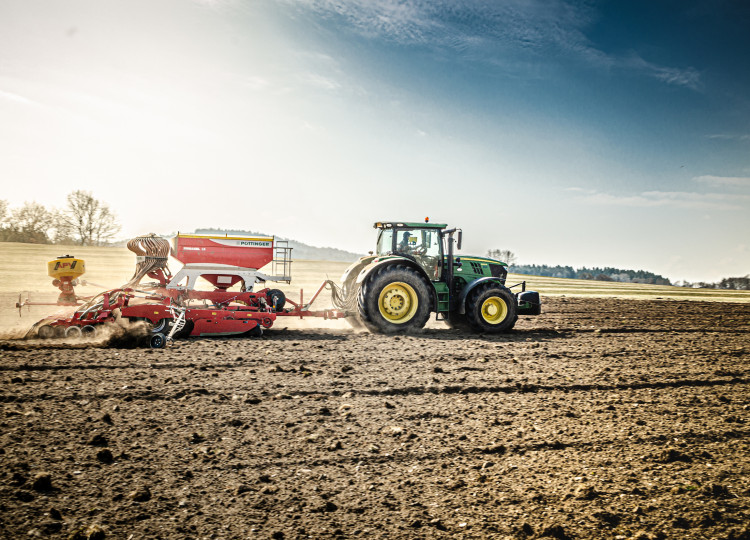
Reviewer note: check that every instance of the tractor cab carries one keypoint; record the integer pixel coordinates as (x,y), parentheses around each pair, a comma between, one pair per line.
(423,243)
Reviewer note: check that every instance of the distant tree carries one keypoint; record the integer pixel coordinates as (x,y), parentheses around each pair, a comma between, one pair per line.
(31,223)
(503,255)
(90,221)
(3,222)
(64,233)
(603,277)
(737,283)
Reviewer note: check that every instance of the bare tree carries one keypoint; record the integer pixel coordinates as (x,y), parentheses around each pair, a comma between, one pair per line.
(90,220)
(64,233)
(503,255)
(3,220)
(31,223)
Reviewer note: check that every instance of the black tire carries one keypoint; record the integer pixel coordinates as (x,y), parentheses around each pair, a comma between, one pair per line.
(157,341)
(162,326)
(394,299)
(276,299)
(73,332)
(491,309)
(88,331)
(45,332)
(255,332)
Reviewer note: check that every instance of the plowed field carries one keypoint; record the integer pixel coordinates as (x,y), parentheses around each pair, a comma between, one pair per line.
(601,418)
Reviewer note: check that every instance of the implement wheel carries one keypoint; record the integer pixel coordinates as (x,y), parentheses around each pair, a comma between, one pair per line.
(395,299)
(491,309)
(73,332)
(162,326)
(88,331)
(157,341)
(277,299)
(45,332)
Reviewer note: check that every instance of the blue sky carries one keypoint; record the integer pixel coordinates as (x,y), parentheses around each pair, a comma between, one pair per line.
(576,133)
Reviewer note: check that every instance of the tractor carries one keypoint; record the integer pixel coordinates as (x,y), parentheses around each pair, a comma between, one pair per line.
(415,272)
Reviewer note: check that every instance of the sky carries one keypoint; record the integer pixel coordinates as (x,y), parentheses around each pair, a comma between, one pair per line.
(581,133)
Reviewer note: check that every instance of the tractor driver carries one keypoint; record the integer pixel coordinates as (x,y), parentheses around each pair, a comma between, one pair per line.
(404,246)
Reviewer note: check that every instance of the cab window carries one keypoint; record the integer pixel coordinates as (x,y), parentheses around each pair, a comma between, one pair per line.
(424,246)
(385,242)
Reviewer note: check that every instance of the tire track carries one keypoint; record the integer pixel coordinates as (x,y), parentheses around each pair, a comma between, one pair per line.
(520,388)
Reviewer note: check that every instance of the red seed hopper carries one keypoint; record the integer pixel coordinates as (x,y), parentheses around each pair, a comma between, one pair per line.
(234,258)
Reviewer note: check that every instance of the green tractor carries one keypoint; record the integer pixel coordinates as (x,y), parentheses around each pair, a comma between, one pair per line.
(414,272)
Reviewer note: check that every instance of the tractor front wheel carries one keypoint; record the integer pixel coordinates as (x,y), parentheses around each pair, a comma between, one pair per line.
(491,309)
(395,299)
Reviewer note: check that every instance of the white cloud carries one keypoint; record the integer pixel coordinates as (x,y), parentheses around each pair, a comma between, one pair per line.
(16,98)
(688,77)
(320,81)
(674,199)
(734,181)
(730,136)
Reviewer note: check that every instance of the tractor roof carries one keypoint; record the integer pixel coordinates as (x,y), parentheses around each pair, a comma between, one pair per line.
(408,225)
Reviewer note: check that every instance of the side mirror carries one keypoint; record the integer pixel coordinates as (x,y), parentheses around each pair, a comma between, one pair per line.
(460,237)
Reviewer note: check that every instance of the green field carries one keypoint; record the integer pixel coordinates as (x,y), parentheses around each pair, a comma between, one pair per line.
(23,268)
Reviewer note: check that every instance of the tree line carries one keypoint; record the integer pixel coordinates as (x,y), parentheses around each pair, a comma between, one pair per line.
(610,274)
(598,274)
(731,283)
(84,220)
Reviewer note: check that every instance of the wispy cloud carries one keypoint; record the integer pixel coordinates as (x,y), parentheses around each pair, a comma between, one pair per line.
(687,77)
(730,136)
(673,199)
(498,33)
(734,181)
(17,98)
(319,81)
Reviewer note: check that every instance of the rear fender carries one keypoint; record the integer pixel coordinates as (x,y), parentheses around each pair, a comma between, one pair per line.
(393,261)
(473,285)
(355,268)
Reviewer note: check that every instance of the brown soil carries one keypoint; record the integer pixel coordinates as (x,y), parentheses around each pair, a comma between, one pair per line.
(598,419)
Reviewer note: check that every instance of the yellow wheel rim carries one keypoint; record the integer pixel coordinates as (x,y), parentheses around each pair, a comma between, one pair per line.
(494,310)
(398,302)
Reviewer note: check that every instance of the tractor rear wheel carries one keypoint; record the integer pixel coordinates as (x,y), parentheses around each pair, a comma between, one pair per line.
(394,299)
(491,309)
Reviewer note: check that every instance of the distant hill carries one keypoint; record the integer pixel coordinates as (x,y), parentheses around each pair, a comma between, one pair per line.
(300,250)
